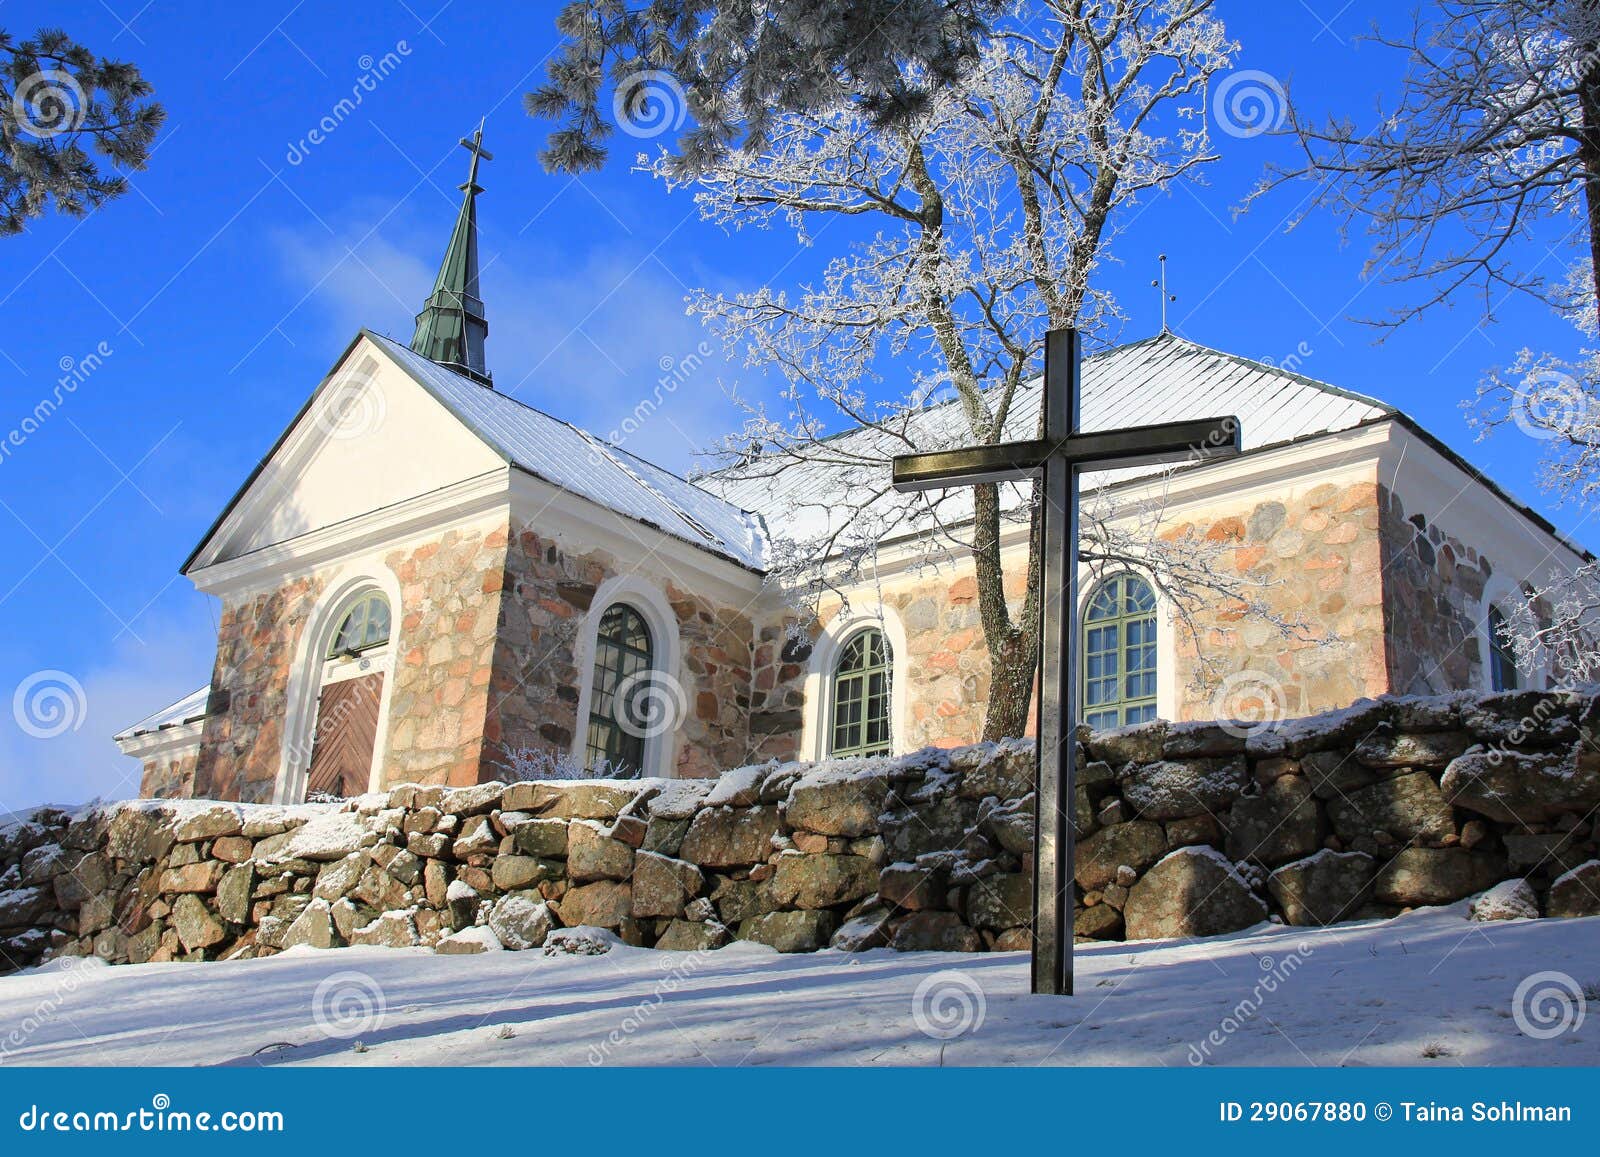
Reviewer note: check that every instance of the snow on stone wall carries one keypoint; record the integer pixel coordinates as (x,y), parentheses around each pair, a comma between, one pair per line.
(1184,830)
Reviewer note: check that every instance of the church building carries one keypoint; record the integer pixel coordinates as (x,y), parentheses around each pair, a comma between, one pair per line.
(427,580)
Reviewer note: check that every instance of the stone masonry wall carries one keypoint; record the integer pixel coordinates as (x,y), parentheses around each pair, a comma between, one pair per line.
(535,681)
(168,776)
(1186,829)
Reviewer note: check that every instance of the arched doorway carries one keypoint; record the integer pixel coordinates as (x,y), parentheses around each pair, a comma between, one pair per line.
(350,699)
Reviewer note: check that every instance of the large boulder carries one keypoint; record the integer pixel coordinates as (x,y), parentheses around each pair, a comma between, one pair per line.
(389,930)
(329,836)
(313,926)
(592,855)
(909,832)
(914,886)
(868,930)
(1323,888)
(208,821)
(1172,789)
(731,837)
(1278,825)
(139,835)
(1520,787)
(1136,843)
(838,803)
(935,932)
(821,881)
(603,904)
(1193,891)
(1575,893)
(541,838)
(691,936)
(520,920)
(20,907)
(1420,876)
(1409,807)
(738,900)
(1507,900)
(791,931)
(1102,922)
(595,799)
(663,885)
(1435,749)
(233,893)
(1001,901)
(511,873)
(1002,770)
(196,925)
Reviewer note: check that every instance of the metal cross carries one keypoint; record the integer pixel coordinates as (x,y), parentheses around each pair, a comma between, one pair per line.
(474,145)
(1056,460)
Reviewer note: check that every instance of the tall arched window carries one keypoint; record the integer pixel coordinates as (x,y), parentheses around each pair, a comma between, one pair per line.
(1119,653)
(1502,660)
(861,696)
(623,649)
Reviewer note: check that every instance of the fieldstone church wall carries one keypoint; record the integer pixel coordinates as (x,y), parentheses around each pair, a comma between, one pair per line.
(1185,830)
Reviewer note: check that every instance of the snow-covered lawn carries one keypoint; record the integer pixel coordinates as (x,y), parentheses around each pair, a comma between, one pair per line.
(1424,989)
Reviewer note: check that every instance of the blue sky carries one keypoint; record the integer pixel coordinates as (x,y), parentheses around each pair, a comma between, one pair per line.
(227,282)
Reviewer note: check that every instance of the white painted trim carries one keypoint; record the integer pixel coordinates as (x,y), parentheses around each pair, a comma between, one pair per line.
(825,657)
(164,742)
(427,515)
(660,751)
(355,578)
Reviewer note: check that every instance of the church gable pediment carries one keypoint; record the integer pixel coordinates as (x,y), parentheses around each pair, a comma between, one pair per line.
(370,438)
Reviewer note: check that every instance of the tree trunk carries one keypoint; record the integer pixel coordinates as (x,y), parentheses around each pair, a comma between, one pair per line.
(1589,156)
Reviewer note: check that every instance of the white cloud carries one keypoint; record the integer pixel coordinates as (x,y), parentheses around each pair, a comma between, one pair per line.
(82,762)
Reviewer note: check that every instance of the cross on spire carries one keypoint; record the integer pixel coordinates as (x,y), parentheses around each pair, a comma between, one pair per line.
(451,328)
(1055,459)
(1161,284)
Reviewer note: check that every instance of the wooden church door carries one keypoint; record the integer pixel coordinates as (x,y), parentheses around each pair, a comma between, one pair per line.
(347,730)
(348,707)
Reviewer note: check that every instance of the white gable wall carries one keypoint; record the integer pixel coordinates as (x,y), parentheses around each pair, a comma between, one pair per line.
(371,439)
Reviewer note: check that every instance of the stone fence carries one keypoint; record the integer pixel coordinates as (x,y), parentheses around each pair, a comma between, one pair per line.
(1184,830)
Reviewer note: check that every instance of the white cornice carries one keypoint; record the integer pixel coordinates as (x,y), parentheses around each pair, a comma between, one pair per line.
(164,741)
(393,525)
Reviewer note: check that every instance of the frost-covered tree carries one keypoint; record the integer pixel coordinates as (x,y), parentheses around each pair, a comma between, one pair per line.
(1487,163)
(60,108)
(973,228)
(733,65)
(1495,134)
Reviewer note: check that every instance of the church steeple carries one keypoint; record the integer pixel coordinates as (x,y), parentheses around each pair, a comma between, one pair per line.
(451,327)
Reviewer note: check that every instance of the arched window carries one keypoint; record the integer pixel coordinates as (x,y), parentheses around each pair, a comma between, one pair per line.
(364,626)
(861,696)
(623,649)
(1119,653)
(1502,660)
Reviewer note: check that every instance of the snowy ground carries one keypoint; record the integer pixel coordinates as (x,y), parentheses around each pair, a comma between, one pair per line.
(1429,988)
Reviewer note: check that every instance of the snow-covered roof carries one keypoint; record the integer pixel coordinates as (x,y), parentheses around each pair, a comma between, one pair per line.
(578,462)
(190,708)
(1160,379)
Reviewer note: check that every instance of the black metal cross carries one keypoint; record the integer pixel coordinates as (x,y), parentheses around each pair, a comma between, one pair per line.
(1056,459)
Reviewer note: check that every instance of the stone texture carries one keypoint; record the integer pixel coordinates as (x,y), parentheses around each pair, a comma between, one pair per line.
(1137,843)
(803,881)
(1408,807)
(1323,888)
(1522,787)
(1418,876)
(790,931)
(687,936)
(1191,892)
(1172,789)
(843,806)
(935,932)
(1576,893)
(592,855)
(604,904)
(662,886)
(522,920)
(731,837)
(1275,826)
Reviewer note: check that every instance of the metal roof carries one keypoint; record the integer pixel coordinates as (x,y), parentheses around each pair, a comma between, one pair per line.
(189,709)
(578,462)
(1160,379)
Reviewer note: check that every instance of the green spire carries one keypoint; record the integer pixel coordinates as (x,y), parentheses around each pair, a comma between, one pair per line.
(451,328)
